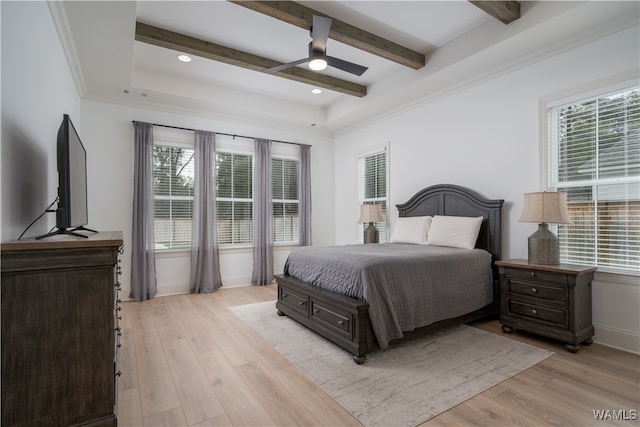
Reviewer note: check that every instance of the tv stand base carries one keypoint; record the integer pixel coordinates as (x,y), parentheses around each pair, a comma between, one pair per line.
(67,231)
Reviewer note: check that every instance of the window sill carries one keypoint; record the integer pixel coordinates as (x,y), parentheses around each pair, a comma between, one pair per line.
(181,253)
(619,277)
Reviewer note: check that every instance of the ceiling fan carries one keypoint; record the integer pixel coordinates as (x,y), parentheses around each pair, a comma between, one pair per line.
(318,58)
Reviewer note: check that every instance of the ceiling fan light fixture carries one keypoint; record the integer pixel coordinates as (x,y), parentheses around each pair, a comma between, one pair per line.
(318,64)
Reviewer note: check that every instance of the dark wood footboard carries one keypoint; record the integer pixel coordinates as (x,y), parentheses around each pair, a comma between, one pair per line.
(345,321)
(342,320)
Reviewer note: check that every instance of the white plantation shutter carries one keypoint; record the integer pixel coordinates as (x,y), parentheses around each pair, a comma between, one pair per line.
(595,159)
(285,178)
(173,195)
(234,198)
(373,185)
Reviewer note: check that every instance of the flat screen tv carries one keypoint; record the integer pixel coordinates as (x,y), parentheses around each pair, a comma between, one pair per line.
(72,211)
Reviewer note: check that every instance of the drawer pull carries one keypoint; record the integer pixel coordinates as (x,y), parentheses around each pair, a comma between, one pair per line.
(301,303)
(533,274)
(534,311)
(340,322)
(316,311)
(284,295)
(534,290)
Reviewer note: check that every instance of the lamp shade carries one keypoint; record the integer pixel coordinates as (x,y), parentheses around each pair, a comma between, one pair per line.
(370,213)
(545,207)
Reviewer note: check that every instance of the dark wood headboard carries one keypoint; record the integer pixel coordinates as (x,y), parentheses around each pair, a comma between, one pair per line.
(453,200)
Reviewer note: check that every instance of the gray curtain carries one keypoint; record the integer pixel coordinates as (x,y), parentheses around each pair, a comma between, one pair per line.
(143,261)
(262,215)
(205,270)
(305,195)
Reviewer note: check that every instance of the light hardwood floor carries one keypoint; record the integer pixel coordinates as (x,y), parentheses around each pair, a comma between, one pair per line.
(187,361)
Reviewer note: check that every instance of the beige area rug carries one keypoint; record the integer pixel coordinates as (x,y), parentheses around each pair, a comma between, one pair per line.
(401,386)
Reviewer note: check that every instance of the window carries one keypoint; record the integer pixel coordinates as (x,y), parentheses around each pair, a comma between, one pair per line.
(173,173)
(285,175)
(372,169)
(234,198)
(173,196)
(595,159)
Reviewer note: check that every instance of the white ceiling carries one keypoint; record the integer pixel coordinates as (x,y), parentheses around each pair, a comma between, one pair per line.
(460,41)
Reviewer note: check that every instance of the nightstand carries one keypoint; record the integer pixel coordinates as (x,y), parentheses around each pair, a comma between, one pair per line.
(549,300)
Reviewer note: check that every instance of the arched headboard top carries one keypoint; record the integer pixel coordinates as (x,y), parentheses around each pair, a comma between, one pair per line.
(454,200)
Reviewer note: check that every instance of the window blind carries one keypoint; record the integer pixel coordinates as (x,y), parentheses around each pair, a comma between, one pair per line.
(595,159)
(173,176)
(373,188)
(285,181)
(234,198)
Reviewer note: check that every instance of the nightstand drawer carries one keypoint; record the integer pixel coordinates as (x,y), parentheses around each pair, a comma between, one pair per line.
(333,318)
(553,293)
(558,317)
(537,276)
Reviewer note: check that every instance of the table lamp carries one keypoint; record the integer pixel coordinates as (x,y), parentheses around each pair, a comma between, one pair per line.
(370,213)
(545,208)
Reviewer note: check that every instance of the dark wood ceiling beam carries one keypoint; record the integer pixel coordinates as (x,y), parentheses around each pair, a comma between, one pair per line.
(504,11)
(302,16)
(187,44)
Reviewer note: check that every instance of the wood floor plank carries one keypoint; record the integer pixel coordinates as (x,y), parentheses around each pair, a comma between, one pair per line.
(128,366)
(282,404)
(314,399)
(199,401)
(129,408)
(143,324)
(256,385)
(168,328)
(170,418)
(192,329)
(157,389)
(241,405)
(212,316)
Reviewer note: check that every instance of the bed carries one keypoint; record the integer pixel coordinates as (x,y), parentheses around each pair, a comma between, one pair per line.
(365,297)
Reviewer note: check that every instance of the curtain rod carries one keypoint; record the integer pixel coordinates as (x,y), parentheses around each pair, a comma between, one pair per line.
(220,133)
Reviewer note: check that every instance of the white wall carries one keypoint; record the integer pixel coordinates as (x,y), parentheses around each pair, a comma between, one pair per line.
(37,89)
(488,138)
(108,138)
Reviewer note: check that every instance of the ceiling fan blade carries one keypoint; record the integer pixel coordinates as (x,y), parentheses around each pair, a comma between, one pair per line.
(347,66)
(285,66)
(320,33)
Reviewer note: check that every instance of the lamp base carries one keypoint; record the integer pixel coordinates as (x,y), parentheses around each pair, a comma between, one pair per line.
(544,247)
(371,234)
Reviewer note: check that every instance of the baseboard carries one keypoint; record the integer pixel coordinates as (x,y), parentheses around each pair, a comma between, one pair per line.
(617,338)
(183,288)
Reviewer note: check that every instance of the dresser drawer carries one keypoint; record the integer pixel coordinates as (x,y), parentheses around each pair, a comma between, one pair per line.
(547,292)
(329,316)
(556,316)
(536,275)
(294,300)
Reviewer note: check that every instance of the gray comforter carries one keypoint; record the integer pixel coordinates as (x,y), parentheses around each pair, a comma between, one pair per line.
(406,286)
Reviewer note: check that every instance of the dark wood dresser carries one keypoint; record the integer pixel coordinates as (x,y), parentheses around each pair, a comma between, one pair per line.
(549,300)
(60,333)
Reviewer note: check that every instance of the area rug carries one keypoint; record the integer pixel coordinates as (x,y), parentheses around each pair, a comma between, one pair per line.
(401,386)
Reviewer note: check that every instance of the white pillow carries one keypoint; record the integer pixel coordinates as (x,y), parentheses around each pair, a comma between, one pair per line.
(454,231)
(413,229)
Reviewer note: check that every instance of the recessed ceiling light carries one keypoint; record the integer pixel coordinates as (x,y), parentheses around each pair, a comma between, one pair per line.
(184,58)
(316,91)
